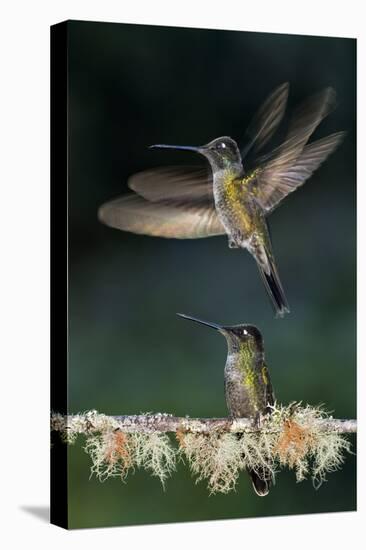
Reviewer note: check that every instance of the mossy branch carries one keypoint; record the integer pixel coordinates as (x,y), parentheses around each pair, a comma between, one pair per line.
(305,439)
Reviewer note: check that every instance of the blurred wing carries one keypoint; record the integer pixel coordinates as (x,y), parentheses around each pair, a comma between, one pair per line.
(310,113)
(267,119)
(303,123)
(286,168)
(276,180)
(176,183)
(175,221)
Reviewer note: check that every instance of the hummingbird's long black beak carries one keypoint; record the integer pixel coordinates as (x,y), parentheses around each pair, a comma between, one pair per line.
(212,325)
(179,147)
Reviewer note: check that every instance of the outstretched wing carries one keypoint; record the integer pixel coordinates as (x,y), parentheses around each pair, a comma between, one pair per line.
(174,220)
(174,202)
(174,183)
(267,119)
(286,174)
(292,163)
(304,121)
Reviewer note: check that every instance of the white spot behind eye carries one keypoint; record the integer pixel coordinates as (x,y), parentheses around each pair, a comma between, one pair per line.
(223,145)
(245,331)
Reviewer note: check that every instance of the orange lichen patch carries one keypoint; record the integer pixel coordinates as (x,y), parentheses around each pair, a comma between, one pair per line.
(180,436)
(117,449)
(294,443)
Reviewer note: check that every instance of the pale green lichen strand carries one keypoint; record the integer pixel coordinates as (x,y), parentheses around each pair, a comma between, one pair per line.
(215,457)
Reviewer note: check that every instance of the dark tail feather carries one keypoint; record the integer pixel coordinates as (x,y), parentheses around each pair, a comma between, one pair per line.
(260,486)
(274,289)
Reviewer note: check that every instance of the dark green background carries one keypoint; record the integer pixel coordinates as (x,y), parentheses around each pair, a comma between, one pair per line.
(131,86)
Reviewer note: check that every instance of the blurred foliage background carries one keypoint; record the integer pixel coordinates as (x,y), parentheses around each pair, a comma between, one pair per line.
(131,86)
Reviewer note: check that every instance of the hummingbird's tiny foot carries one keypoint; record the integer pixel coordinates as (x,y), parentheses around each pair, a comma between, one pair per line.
(232,243)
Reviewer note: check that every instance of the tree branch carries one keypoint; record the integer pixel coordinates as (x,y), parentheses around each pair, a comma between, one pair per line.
(303,438)
(164,423)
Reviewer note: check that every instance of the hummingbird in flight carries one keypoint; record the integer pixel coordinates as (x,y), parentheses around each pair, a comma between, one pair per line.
(238,191)
(248,388)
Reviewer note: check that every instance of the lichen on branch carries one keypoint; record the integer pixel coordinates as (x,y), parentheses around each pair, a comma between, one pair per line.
(115,453)
(304,439)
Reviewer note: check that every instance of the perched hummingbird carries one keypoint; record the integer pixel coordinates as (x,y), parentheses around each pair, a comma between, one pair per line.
(233,198)
(248,388)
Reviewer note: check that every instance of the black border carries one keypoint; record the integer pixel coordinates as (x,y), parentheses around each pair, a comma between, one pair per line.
(59,266)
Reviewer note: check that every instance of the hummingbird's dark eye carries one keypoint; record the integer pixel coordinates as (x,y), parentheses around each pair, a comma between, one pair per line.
(220,145)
